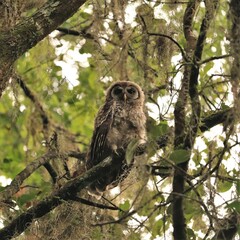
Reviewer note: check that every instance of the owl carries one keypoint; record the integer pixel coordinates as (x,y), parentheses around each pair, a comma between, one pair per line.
(119,121)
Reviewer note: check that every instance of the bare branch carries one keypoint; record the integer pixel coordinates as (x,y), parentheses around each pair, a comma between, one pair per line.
(33,98)
(213,58)
(173,40)
(82,33)
(93,204)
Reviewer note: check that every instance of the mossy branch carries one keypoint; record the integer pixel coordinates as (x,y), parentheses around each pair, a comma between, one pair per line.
(67,192)
(23,36)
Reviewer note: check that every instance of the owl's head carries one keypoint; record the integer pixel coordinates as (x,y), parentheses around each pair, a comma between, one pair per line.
(125,91)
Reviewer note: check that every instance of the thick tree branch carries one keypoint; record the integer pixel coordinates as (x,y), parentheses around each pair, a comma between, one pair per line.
(185,135)
(193,83)
(30,31)
(67,192)
(221,116)
(181,104)
(14,187)
(234,13)
(179,226)
(188,22)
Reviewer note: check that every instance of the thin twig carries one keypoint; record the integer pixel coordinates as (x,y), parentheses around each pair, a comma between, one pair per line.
(93,204)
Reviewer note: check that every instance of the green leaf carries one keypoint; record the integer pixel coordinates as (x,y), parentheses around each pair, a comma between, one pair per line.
(157,130)
(124,208)
(131,149)
(235,205)
(224,186)
(87,47)
(163,126)
(157,227)
(180,156)
(190,234)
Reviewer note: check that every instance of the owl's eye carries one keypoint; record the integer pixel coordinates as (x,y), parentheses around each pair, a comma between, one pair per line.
(117,91)
(132,92)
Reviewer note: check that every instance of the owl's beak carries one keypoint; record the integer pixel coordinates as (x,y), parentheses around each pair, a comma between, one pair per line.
(125,97)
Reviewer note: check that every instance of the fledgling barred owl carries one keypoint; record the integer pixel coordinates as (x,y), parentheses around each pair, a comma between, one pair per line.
(119,121)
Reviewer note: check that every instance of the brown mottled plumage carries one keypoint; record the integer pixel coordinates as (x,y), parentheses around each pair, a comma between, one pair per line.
(120,120)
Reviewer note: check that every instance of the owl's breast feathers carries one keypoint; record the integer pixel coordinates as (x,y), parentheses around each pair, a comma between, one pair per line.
(127,124)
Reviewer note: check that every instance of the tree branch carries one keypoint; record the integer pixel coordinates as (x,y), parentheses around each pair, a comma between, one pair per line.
(93,204)
(33,98)
(214,58)
(228,227)
(30,31)
(235,50)
(81,33)
(18,180)
(67,192)
(48,126)
(179,226)
(193,83)
(171,39)
(16,183)
(225,116)
(185,135)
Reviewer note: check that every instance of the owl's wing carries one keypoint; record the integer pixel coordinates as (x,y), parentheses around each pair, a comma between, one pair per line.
(99,148)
